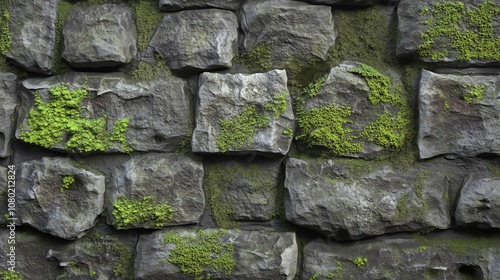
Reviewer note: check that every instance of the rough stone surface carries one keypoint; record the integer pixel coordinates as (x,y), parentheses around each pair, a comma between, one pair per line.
(342,2)
(448,124)
(175,5)
(290,29)
(32,30)
(199,39)
(249,188)
(344,88)
(257,254)
(349,202)
(226,96)
(479,203)
(169,178)
(31,250)
(160,111)
(449,257)
(412,23)
(110,36)
(44,204)
(8,104)
(101,254)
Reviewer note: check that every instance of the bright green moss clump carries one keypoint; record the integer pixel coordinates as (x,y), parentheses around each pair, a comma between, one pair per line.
(476,93)
(5,38)
(380,86)
(468,31)
(62,118)
(128,212)
(10,275)
(360,262)
(199,255)
(67,182)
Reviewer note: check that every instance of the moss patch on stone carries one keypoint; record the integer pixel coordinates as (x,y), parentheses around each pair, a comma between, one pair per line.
(62,118)
(128,212)
(199,255)
(59,66)
(67,182)
(474,93)
(468,31)
(123,267)
(258,59)
(5,38)
(145,71)
(10,275)
(147,17)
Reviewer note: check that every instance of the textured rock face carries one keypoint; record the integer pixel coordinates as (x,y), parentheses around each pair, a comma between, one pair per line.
(174,5)
(197,39)
(363,135)
(159,112)
(446,32)
(240,190)
(166,178)
(479,203)
(8,101)
(351,204)
(401,258)
(242,113)
(458,115)
(32,29)
(110,36)
(257,255)
(48,203)
(278,23)
(102,254)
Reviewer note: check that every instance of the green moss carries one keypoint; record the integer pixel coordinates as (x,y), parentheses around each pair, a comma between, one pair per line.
(149,72)
(402,209)
(476,93)
(58,66)
(67,182)
(10,275)
(288,131)
(422,249)
(258,59)
(147,16)
(446,105)
(123,267)
(278,105)
(128,212)
(218,179)
(5,38)
(62,118)
(92,273)
(419,187)
(360,262)
(202,254)
(462,246)
(379,84)
(239,130)
(313,88)
(468,31)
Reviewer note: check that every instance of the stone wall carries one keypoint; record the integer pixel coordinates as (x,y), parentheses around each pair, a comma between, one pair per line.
(256,139)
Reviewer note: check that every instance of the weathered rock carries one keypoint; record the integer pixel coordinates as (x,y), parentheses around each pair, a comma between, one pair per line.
(237,189)
(32,31)
(159,112)
(166,178)
(479,203)
(110,36)
(29,254)
(4,194)
(375,125)
(451,257)
(257,255)
(199,39)
(241,113)
(458,115)
(290,29)
(50,203)
(342,2)
(8,101)
(445,33)
(101,254)
(175,5)
(348,201)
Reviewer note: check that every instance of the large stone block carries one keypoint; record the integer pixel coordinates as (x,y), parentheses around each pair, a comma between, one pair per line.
(33,32)
(451,33)
(242,255)
(166,187)
(291,30)
(57,197)
(175,5)
(346,201)
(198,39)
(458,114)
(243,113)
(116,114)
(99,36)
